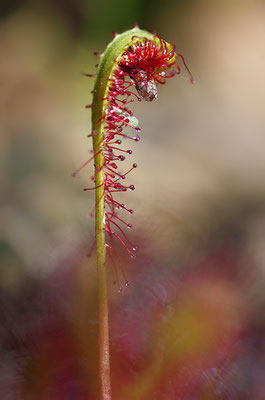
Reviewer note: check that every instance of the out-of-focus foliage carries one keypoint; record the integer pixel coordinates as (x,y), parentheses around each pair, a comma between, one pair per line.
(191,325)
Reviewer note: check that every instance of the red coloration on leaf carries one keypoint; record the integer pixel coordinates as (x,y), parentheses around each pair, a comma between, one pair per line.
(144,64)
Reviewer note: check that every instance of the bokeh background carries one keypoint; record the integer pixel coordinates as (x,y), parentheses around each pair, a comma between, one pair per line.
(191,324)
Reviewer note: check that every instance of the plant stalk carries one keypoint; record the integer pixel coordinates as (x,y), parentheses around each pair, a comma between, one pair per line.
(104,356)
(108,61)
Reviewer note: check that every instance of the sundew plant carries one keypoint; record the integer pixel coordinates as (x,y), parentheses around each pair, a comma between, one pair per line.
(129,70)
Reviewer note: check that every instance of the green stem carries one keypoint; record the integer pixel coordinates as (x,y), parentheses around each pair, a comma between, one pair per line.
(104,358)
(108,62)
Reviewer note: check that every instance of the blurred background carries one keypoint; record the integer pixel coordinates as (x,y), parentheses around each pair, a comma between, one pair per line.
(191,324)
